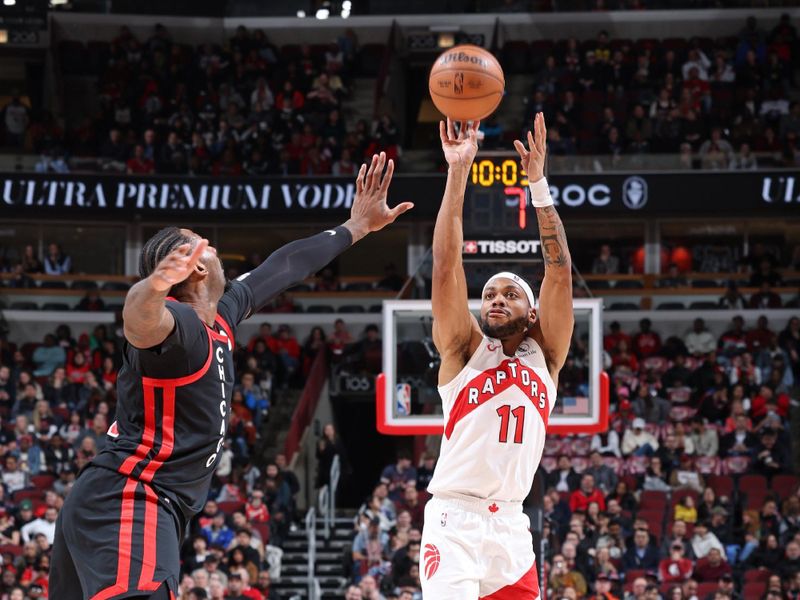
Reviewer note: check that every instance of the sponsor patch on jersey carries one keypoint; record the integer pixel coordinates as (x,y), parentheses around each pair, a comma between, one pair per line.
(432,559)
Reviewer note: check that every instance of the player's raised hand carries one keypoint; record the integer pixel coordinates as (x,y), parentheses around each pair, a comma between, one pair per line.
(370,210)
(532,159)
(177,265)
(459,150)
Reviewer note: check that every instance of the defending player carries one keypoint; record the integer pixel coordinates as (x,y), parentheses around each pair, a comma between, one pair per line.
(497,381)
(119,533)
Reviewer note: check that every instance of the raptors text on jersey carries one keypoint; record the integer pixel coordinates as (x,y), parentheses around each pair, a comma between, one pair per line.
(496,412)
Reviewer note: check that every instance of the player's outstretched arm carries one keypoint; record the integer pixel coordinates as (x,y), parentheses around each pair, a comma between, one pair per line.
(556,319)
(147,322)
(454,327)
(300,259)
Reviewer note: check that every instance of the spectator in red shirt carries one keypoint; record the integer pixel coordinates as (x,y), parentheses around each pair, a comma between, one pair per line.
(712,567)
(580,499)
(255,509)
(646,343)
(611,340)
(765,298)
(77,369)
(412,503)
(138,164)
(766,396)
(624,358)
(288,351)
(759,337)
(239,586)
(676,568)
(264,334)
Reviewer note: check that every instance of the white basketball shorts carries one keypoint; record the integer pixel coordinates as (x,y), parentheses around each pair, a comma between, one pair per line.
(477,549)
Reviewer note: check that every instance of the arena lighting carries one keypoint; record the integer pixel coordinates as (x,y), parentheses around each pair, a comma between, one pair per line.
(323,13)
(3,36)
(301,14)
(446,40)
(346,8)
(9,2)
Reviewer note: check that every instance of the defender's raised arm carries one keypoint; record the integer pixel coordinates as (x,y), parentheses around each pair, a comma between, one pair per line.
(454,327)
(556,319)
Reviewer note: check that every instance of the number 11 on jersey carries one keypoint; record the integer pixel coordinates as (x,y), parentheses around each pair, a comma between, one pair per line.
(519,422)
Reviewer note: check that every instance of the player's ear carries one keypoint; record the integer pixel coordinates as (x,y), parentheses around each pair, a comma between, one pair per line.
(532,317)
(200,271)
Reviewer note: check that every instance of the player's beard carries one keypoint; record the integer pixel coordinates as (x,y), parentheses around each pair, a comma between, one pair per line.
(512,327)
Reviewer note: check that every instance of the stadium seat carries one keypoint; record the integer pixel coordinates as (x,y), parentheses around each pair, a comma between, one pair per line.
(632,574)
(735,465)
(24,306)
(320,308)
(655,521)
(721,484)
(752,589)
(653,500)
(636,465)
(707,465)
(681,413)
(705,283)
(751,575)
(785,485)
(14,549)
(581,446)
(230,507)
(703,306)
(42,482)
(375,308)
(579,463)
(53,285)
(263,531)
(83,284)
(748,483)
(671,306)
(351,308)
(26,494)
(679,495)
(624,306)
(549,463)
(704,588)
(659,364)
(301,287)
(60,306)
(115,286)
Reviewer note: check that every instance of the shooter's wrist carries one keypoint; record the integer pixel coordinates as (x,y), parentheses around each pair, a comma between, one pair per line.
(540,193)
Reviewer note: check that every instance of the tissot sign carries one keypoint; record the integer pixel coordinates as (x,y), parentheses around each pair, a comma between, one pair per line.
(295,198)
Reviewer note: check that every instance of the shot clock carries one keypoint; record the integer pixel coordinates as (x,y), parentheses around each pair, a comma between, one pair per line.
(500,179)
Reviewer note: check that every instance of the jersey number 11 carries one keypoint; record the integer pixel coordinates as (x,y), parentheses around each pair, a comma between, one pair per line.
(519,422)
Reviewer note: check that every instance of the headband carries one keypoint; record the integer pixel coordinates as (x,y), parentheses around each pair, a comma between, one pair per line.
(516,279)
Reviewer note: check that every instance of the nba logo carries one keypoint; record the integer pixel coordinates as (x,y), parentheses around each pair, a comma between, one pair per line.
(403,399)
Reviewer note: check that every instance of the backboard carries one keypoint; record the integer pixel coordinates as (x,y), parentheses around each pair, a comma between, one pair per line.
(407,399)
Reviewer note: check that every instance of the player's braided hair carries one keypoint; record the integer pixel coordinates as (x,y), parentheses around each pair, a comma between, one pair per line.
(158,247)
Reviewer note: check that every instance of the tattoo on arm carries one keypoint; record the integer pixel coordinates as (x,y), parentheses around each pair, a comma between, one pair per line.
(554,239)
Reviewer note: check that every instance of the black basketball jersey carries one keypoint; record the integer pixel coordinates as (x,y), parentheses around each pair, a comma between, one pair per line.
(174,404)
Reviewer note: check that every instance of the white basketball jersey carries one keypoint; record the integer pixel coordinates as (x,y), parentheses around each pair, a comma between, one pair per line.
(495,413)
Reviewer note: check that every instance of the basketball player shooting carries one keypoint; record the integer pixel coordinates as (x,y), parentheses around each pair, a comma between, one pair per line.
(498,381)
(119,532)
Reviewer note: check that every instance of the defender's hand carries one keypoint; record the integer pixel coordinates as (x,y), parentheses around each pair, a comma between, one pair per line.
(177,265)
(370,212)
(459,150)
(532,159)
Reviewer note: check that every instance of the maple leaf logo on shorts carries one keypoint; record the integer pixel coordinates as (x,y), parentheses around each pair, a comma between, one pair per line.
(432,559)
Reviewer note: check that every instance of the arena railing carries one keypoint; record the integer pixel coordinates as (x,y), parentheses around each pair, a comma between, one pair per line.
(311,536)
(327,497)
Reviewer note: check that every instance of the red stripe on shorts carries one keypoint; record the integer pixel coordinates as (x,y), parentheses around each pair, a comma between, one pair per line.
(527,588)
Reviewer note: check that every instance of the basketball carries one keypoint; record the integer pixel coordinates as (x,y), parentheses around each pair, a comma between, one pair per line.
(466,83)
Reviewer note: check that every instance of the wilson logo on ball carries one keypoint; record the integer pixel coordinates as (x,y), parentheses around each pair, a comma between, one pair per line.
(432,559)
